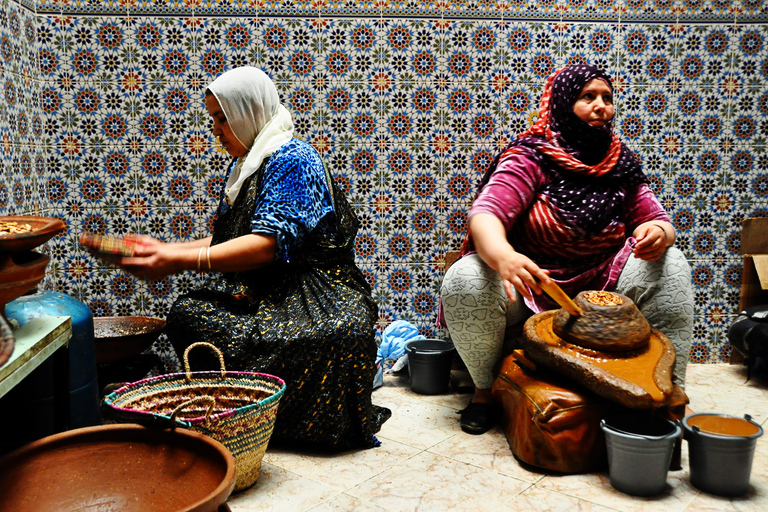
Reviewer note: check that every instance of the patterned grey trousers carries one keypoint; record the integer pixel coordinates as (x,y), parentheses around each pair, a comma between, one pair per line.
(478,313)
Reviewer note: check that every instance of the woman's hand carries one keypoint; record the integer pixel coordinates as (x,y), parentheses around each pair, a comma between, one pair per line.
(155,260)
(653,238)
(520,272)
(517,271)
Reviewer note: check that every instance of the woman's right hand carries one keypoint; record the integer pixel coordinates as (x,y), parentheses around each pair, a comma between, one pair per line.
(156,260)
(517,271)
(153,259)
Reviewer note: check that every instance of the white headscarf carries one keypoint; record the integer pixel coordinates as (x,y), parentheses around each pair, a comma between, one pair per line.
(250,101)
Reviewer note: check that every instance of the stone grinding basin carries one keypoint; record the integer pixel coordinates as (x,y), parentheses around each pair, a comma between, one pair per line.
(118,467)
(639,378)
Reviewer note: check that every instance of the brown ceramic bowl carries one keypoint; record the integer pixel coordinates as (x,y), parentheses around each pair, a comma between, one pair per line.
(118,467)
(43,229)
(118,338)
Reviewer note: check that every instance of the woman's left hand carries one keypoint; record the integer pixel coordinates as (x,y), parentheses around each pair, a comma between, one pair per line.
(653,238)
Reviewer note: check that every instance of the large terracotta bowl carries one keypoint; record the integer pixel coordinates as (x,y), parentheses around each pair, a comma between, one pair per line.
(118,338)
(118,467)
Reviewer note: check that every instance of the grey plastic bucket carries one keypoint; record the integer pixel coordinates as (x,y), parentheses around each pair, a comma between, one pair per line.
(639,451)
(429,365)
(720,464)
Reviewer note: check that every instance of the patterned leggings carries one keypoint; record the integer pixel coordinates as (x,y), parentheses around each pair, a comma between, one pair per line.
(478,313)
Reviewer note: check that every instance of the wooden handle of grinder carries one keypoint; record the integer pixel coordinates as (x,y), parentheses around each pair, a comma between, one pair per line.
(558,295)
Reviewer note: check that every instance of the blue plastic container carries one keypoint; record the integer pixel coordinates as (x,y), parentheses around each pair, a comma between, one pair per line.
(33,397)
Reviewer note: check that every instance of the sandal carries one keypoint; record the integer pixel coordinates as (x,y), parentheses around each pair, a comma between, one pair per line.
(478,418)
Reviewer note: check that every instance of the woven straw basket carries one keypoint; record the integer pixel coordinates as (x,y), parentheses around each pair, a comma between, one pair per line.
(237,409)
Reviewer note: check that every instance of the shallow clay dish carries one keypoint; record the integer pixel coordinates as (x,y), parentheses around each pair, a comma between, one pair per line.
(609,321)
(118,338)
(42,230)
(118,467)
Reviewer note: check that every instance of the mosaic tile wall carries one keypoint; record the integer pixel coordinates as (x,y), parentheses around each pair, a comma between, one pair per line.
(406,101)
(22,178)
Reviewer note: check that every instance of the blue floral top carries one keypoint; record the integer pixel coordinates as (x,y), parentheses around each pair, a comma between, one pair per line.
(294,199)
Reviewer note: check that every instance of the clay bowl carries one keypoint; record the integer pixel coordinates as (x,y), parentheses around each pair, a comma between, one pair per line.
(19,273)
(118,467)
(6,341)
(610,322)
(42,230)
(118,338)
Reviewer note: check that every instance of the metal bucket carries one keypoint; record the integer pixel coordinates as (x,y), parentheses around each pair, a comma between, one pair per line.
(720,451)
(639,451)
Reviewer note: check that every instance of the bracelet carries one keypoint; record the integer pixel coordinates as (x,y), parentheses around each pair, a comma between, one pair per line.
(208,257)
(666,238)
(199,258)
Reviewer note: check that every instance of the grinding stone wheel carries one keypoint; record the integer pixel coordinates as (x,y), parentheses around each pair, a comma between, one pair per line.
(617,326)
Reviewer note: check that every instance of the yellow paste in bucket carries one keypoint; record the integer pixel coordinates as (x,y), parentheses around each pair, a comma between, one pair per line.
(723,425)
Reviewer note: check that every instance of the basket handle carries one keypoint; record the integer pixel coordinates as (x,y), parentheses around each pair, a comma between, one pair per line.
(203,344)
(198,399)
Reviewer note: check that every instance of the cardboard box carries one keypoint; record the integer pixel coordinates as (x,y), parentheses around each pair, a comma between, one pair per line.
(754,246)
(754,277)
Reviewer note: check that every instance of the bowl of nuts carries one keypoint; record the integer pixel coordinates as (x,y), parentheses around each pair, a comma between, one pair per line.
(23,233)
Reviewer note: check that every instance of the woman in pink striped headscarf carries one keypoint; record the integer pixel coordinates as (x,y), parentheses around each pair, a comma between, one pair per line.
(565,201)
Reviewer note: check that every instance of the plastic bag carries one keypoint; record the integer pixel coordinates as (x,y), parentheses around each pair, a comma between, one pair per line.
(392,349)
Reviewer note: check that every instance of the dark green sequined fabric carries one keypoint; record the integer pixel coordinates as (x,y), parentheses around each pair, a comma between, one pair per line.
(309,322)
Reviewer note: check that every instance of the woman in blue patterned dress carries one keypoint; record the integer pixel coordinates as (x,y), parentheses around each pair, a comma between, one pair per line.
(282,294)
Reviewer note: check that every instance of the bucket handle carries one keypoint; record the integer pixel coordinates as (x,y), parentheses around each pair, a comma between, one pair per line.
(199,399)
(203,344)
(635,434)
(415,350)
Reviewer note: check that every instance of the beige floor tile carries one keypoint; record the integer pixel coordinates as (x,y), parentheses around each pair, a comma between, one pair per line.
(343,470)
(431,482)
(490,451)
(415,422)
(347,503)
(723,388)
(536,499)
(278,489)
(427,463)
(596,488)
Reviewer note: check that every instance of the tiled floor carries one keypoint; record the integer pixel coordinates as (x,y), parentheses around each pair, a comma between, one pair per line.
(426,462)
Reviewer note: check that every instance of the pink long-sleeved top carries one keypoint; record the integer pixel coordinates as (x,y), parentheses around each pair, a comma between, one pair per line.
(576,259)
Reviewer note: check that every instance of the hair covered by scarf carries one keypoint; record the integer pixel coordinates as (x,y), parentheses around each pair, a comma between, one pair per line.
(251,104)
(589,166)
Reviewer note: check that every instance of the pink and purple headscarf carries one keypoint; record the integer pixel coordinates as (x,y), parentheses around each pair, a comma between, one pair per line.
(589,164)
